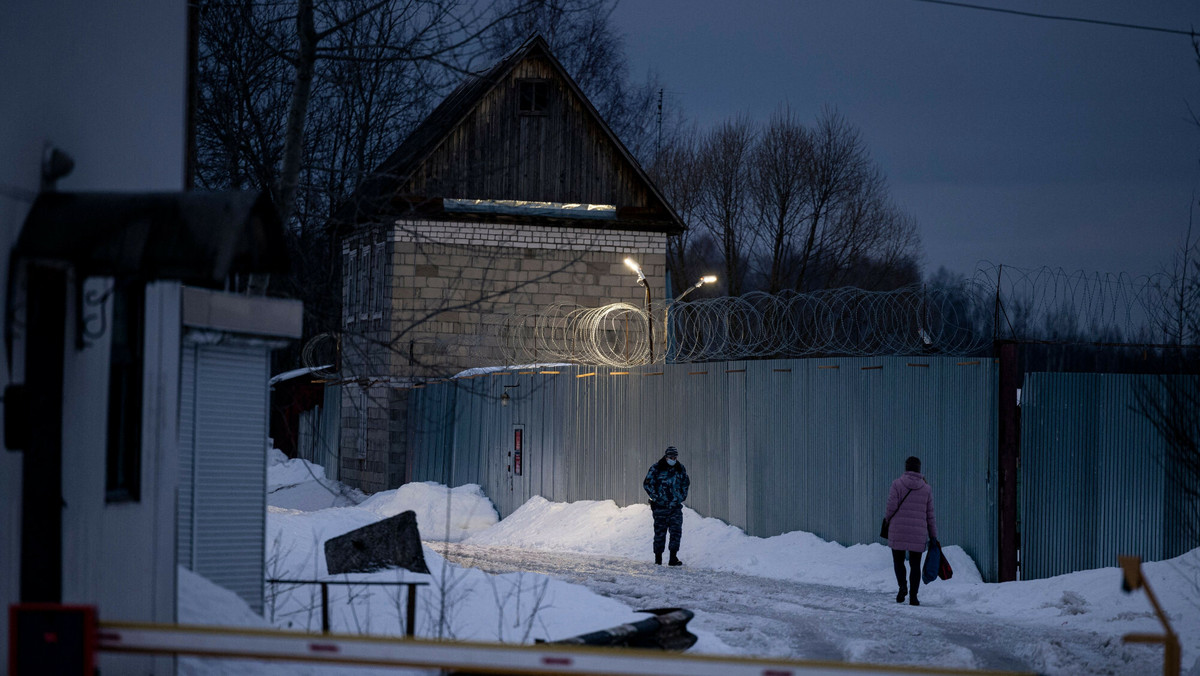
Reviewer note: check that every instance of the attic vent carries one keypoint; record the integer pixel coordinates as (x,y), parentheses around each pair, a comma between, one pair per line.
(534,96)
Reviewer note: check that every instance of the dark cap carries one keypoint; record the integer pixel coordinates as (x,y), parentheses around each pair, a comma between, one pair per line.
(671,452)
(913,464)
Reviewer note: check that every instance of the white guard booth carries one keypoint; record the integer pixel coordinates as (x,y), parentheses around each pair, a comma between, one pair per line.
(223,413)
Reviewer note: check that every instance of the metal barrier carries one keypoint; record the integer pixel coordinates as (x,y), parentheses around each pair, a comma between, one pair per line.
(410,610)
(546,658)
(231,642)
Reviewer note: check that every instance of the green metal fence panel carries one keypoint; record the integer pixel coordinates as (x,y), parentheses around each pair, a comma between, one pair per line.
(771,446)
(1092,483)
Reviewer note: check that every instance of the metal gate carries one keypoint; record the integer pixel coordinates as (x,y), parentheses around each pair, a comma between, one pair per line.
(1092,484)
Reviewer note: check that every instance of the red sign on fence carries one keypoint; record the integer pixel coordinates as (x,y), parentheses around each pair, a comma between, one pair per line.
(518,437)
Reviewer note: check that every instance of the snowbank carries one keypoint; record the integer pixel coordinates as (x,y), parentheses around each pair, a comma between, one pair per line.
(469,604)
(299,484)
(444,514)
(460,603)
(601,527)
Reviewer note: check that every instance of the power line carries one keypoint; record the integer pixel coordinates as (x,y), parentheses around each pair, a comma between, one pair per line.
(1036,15)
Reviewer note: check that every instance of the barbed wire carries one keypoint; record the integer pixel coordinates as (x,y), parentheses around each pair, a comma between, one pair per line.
(1055,304)
(848,321)
(616,334)
(963,318)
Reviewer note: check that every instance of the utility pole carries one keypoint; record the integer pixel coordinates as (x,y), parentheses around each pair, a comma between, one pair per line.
(658,140)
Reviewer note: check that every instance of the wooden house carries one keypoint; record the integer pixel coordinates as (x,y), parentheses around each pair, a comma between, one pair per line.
(512,196)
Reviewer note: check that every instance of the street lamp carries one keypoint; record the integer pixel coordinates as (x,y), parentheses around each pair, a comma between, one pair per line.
(649,319)
(706,279)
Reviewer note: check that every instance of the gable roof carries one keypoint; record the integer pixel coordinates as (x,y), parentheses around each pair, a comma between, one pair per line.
(377,194)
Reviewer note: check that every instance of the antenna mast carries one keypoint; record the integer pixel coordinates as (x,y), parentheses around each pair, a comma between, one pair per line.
(658,140)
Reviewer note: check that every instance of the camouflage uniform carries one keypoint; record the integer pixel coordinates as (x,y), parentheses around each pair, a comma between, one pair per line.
(667,486)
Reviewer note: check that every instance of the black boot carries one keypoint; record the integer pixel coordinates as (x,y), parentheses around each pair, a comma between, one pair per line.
(658,558)
(912,600)
(901,595)
(674,560)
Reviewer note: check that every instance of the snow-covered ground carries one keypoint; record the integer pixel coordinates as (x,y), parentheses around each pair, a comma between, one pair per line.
(566,569)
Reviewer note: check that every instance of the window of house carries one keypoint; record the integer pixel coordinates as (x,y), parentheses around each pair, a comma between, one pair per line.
(377,277)
(534,96)
(361,448)
(365,268)
(123,464)
(351,301)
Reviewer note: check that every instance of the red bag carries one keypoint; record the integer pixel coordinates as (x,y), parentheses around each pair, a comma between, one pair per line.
(945,572)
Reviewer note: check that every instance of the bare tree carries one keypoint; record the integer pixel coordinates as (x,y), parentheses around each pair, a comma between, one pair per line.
(1181,326)
(356,75)
(1171,403)
(837,175)
(725,156)
(241,86)
(787,208)
(677,172)
(873,244)
(783,152)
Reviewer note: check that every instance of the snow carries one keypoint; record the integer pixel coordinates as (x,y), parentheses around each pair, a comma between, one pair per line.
(299,484)
(484,370)
(443,514)
(600,527)
(792,595)
(296,373)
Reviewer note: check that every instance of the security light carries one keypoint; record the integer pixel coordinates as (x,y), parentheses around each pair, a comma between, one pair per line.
(645,285)
(504,398)
(706,279)
(638,269)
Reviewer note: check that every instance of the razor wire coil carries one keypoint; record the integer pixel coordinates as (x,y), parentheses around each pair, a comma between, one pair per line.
(957,320)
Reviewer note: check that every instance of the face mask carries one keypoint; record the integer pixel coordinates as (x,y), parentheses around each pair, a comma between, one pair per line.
(670,461)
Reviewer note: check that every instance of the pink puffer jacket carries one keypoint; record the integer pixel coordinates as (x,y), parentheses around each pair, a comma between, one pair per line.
(913,523)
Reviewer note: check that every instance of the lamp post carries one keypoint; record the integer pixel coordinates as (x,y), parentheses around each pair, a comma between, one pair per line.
(706,279)
(649,318)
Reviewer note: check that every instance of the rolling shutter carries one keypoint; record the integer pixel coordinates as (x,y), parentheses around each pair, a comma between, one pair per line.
(229,433)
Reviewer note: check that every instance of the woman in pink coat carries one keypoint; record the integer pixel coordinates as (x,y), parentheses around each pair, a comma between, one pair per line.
(910,511)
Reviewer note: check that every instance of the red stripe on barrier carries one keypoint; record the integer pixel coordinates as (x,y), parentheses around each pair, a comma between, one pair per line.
(557,661)
(323,648)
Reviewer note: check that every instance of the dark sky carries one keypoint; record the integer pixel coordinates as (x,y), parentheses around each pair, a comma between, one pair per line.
(1014,140)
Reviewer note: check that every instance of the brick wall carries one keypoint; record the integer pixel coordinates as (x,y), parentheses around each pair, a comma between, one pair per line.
(449,288)
(457,283)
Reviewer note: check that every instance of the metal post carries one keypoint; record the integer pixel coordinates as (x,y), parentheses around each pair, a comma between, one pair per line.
(667,315)
(411,621)
(649,320)
(1009,451)
(324,608)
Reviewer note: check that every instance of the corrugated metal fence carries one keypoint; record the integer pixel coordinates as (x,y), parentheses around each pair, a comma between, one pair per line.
(1091,483)
(317,439)
(771,446)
